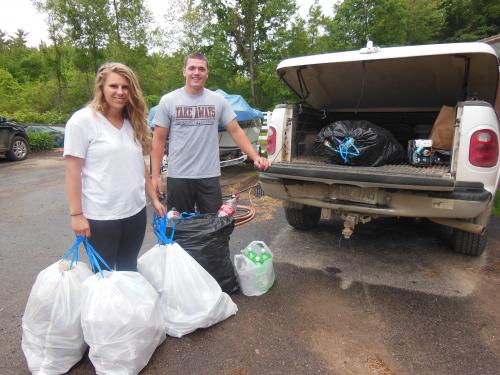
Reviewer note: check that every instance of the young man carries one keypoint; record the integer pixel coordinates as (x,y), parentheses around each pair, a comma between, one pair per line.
(190,117)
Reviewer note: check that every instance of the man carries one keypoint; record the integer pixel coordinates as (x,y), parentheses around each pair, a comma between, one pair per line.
(190,117)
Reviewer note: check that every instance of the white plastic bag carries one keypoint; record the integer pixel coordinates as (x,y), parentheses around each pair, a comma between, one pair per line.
(255,278)
(121,321)
(190,297)
(52,339)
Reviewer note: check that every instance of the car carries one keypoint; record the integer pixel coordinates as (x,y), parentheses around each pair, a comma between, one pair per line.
(14,142)
(407,92)
(55,132)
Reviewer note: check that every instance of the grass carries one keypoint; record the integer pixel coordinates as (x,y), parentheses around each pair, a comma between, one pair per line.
(496,206)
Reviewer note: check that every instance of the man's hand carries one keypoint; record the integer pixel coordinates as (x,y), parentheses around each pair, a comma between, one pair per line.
(262,163)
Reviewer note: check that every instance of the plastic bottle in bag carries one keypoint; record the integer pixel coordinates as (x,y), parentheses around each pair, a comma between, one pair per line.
(228,208)
(173,214)
(258,252)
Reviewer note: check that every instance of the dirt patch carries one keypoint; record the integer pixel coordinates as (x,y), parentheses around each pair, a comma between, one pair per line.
(265,208)
(55,152)
(378,366)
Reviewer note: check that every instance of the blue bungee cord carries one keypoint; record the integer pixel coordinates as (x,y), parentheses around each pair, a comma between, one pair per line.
(346,148)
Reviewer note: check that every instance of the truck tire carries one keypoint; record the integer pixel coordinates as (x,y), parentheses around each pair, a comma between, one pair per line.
(302,218)
(468,243)
(19,149)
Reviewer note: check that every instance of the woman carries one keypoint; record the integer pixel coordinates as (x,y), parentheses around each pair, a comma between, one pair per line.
(106,176)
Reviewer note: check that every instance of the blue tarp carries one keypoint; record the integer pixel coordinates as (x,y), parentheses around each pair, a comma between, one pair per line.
(242,109)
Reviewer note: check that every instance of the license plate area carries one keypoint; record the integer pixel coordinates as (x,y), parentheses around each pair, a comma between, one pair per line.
(356,194)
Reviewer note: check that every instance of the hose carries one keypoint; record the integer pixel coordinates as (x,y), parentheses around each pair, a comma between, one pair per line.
(244,213)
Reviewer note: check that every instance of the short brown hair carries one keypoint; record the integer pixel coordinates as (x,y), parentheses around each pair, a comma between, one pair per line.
(196,56)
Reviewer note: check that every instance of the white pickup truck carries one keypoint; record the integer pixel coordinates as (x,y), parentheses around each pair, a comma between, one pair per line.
(402,90)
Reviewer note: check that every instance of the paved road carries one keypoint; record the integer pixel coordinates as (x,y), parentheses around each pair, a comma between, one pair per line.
(392,300)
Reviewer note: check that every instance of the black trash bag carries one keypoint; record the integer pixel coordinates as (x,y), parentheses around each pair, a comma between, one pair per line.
(206,238)
(358,143)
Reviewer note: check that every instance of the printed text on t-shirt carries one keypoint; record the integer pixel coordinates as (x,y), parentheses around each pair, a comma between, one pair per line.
(202,112)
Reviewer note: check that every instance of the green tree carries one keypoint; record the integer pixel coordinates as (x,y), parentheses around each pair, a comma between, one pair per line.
(130,20)
(468,20)
(10,92)
(383,21)
(425,21)
(19,39)
(252,28)
(4,41)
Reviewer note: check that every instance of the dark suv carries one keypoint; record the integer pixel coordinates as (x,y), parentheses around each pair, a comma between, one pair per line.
(13,140)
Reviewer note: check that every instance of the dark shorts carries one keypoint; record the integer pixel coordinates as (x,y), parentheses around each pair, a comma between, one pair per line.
(194,194)
(119,241)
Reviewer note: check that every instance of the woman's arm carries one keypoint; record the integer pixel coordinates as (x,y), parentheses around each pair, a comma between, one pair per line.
(79,222)
(151,192)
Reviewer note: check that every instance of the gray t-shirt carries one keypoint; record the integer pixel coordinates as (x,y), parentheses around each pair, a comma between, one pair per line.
(193,121)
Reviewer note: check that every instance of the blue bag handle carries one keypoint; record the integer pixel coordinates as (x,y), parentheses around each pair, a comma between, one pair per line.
(188,215)
(73,252)
(95,258)
(160,229)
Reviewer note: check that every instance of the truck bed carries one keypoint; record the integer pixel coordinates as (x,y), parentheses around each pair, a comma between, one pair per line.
(400,176)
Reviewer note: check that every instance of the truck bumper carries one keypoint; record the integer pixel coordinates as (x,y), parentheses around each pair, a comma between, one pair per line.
(465,201)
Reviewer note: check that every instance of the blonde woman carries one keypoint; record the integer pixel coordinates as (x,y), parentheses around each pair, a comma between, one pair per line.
(106,177)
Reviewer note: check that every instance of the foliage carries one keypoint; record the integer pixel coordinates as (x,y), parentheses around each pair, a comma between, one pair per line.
(40,141)
(469,20)
(28,117)
(244,41)
(10,92)
(496,207)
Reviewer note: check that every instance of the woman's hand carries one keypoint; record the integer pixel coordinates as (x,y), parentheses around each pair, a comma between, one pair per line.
(159,208)
(80,225)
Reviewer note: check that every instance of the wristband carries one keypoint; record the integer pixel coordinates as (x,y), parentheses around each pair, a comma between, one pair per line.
(81,213)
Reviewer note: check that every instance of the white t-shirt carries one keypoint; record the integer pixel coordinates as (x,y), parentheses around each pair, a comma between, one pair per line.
(113,184)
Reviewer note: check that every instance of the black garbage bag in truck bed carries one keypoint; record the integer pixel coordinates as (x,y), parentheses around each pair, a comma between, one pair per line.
(358,143)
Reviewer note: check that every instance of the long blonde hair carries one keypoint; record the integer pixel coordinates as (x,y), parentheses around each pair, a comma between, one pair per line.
(135,110)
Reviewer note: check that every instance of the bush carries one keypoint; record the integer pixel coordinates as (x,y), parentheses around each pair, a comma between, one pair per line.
(496,206)
(27,117)
(40,141)
(152,100)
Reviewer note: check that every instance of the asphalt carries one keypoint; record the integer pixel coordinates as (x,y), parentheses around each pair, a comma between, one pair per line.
(392,300)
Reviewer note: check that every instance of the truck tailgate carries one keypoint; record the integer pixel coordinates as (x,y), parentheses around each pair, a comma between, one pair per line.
(401,176)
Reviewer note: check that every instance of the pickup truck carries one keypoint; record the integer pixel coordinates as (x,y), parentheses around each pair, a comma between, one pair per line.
(400,89)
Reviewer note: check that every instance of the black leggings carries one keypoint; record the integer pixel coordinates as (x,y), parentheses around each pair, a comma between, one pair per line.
(119,241)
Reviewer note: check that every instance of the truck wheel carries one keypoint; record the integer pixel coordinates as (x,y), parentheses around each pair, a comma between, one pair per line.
(305,217)
(468,243)
(18,149)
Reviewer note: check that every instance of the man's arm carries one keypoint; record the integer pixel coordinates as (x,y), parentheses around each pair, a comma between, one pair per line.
(240,138)
(159,136)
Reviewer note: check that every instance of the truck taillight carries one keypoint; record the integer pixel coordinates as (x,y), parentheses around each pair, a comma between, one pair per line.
(483,151)
(271,141)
